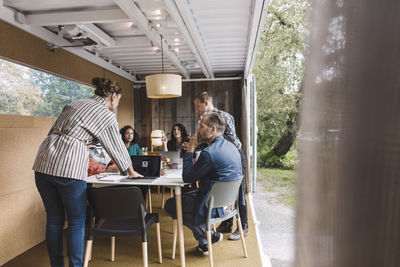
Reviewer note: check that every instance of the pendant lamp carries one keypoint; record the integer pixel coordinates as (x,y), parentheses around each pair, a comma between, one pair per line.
(163,85)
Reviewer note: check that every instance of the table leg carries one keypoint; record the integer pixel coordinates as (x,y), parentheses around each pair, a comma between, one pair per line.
(178,198)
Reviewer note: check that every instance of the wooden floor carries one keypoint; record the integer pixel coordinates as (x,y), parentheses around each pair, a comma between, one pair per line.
(128,250)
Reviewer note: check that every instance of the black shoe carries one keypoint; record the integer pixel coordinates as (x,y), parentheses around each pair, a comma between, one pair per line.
(217,237)
(225,227)
(203,249)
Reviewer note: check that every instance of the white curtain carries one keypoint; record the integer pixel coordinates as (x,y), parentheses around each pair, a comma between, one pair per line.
(348,192)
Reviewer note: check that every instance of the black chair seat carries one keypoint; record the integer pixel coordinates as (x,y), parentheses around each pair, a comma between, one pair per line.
(124,227)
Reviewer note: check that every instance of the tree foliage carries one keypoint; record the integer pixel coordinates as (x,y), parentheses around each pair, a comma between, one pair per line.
(26,91)
(279,71)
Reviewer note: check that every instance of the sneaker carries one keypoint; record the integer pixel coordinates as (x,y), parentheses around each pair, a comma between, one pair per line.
(216,237)
(236,235)
(203,249)
(225,227)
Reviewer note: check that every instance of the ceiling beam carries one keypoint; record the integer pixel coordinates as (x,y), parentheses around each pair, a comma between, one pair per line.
(179,11)
(9,16)
(77,17)
(128,42)
(259,11)
(98,33)
(130,8)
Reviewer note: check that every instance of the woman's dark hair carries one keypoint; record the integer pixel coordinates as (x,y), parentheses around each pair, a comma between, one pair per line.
(183,133)
(135,134)
(105,87)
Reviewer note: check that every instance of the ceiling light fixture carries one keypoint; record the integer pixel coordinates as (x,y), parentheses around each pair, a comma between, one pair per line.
(163,85)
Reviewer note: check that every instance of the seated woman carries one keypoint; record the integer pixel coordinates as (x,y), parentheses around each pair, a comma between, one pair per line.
(130,138)
(179,139)
(100,161)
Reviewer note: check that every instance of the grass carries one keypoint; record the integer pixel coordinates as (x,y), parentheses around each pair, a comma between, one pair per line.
(281,182)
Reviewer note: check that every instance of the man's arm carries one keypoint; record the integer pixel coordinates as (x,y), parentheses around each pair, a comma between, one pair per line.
(193,172)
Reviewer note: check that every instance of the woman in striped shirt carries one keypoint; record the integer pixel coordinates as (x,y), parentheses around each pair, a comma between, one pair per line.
(61,166)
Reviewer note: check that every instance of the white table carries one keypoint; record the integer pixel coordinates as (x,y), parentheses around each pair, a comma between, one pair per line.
(173,179)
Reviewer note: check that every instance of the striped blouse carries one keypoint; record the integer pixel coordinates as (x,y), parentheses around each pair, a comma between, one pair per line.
(64,152)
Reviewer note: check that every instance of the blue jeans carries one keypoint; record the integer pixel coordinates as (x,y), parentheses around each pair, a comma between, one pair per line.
(63,196)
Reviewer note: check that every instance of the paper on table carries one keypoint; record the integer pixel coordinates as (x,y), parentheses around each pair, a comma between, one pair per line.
(113,178)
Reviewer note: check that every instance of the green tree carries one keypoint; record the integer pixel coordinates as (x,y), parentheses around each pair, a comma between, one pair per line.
(26,91)
(57,92)
(17,95)
(279,69)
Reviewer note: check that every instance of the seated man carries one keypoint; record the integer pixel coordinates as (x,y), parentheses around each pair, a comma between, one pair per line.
(220,161)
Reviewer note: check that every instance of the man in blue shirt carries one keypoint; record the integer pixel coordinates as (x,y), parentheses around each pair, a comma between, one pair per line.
(220,161)
(204,103)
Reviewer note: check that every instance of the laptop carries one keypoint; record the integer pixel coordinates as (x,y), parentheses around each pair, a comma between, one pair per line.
(146,165)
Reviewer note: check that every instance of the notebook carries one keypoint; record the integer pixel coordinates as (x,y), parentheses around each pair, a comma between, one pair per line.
(148,166)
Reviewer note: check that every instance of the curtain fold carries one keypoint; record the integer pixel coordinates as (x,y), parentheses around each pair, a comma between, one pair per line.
(348,191)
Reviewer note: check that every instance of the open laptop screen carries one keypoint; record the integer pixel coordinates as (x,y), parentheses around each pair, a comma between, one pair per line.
(148,166)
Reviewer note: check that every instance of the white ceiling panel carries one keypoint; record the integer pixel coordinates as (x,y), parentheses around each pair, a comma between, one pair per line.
(211,38)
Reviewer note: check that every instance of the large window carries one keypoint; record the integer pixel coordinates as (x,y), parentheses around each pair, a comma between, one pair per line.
(26,91)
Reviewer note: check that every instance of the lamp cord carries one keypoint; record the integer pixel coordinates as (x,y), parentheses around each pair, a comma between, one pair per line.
(162,56)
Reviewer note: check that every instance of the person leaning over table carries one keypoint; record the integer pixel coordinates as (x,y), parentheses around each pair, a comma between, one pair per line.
(219,161)
(61,166)
(203,103)
(130,138)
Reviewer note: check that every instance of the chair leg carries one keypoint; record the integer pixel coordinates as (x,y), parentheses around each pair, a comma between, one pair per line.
(87,252)
(209,242)
(144,253)
(90,253)
(175,231)
(214,228)
(163,197)
(171,193)
(112,248)
(239,222)
(149,198)
(159,242)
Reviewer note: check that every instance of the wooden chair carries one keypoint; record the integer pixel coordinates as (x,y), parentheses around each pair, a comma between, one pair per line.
(123,211)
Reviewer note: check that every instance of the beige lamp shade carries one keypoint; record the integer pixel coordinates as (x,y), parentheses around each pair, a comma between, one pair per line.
(164,85)
(156,136)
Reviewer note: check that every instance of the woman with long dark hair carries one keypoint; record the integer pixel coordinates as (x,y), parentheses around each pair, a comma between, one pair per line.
(179,139)
(130,138)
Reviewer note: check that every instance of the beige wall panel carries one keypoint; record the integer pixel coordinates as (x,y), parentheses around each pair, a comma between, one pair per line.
(19,147)
(22,223)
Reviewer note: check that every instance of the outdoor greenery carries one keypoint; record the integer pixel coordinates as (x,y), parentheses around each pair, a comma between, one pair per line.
(279,71)
(26,91)
(281,182)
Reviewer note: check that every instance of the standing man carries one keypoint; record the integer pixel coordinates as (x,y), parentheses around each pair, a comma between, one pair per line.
(203,103)
(219,161)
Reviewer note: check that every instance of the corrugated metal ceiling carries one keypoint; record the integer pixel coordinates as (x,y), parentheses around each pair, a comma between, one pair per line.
(201,38)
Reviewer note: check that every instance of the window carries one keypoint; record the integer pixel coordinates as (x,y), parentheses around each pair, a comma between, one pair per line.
(26,91)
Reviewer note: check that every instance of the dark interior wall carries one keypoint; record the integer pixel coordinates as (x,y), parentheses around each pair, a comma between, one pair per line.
(152,114)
